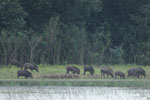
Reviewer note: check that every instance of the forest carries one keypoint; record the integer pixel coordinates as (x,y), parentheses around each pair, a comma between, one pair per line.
(75,31)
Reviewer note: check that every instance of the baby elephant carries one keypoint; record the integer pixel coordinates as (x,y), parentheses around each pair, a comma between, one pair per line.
(119,73)
(30,66)
(24,73)
(73,69)
(88,68)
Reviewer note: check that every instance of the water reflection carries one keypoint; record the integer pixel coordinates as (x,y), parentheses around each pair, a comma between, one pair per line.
(73,93)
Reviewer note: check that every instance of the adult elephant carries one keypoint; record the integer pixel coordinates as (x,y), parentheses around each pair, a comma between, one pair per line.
(16,63)
(24,73)
(73,69)
(31,67)
(106,71)
(88,69)
(136,72)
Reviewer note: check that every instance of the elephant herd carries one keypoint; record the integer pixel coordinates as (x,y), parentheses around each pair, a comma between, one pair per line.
(106,71)
(74,70)
(24,68)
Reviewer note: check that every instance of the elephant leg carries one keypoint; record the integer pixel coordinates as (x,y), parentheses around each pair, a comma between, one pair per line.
(73,72)
(104,75)
(115,76)
(121,77)
(84,72)
(101,74)
(139,76)
(90,72)
(67,72)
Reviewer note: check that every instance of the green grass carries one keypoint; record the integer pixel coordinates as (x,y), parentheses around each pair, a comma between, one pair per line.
(78,82)
(8,77)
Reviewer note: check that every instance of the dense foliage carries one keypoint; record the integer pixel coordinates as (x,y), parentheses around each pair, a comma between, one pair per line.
(75,31)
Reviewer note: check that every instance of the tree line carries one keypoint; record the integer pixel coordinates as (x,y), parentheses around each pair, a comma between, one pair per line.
(75,31)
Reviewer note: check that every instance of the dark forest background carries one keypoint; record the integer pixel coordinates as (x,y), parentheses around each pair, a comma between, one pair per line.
(75,31)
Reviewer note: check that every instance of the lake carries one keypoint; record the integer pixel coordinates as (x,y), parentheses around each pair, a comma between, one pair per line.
(73,93)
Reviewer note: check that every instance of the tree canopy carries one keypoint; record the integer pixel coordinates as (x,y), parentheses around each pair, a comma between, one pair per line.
(75,31)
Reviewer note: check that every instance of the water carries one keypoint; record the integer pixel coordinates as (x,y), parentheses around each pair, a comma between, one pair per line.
(73,93)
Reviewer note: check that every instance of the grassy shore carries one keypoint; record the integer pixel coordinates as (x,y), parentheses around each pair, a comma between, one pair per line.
(78,82)
(8,77)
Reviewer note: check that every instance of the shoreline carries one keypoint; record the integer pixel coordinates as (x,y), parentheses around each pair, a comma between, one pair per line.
(77,82)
